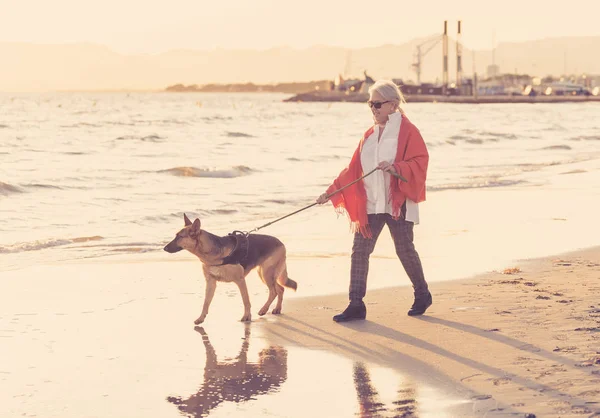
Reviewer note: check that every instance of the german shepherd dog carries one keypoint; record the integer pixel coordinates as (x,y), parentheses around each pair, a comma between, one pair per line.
(231,258)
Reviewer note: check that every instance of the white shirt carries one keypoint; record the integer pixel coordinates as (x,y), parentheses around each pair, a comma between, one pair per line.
(377,185)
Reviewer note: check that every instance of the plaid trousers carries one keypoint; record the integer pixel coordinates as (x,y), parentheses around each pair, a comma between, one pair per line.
(402,234)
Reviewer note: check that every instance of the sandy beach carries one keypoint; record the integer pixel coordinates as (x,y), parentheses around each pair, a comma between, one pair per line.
(117,340)
(96,320)
(510,343)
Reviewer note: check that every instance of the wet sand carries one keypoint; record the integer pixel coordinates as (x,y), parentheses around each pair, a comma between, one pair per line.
(100,339)
(509,343)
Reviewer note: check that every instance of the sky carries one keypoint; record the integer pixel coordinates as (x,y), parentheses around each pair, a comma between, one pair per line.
(136,26)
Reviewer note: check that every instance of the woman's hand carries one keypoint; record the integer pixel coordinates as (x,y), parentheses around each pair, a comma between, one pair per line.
(387,167)
(322,199)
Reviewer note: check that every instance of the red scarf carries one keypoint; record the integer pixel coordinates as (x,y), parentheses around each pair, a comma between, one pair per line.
(411,162)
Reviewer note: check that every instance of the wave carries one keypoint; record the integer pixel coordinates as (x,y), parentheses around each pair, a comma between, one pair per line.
(518,168)
(216,118)
(537,166)
(133,250)
(238,135)
(198,213)
(459,138)
(472,136)
(82,125)
(479,185)
(87,239)
(290,201)
(575,172)
(317,159)
(152,138)
(454,139)
(331,157)
(237,171)
(147,122)
(202,213)
(147,138)
(557,147)
(167,122)
(220,211)
(128,247)
(120,123)
(43,186)
(114,245)
(586,138)
(503,135)
(44,244)
(6,189)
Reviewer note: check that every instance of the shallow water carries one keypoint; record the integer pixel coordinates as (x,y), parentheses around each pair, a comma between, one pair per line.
(96,175)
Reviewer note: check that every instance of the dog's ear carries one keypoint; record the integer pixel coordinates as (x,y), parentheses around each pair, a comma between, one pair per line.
(196,226)
(186,220)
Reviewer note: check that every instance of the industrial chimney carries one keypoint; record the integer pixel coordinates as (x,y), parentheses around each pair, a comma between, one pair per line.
(445,62)
(458,58)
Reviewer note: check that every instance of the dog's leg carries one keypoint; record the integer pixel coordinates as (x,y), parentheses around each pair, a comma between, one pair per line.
(245,298)
(282,280)
(279,288)
(266,276)
(270,299)
(211,285)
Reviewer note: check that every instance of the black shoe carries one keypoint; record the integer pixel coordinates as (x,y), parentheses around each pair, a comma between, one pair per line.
(352,312)
(420,305)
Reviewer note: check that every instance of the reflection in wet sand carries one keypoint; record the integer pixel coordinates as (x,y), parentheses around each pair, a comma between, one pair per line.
(234,381)
(248,381)
(370,403)
(365,392)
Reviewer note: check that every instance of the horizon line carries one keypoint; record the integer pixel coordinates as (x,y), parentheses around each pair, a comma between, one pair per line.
(275,47)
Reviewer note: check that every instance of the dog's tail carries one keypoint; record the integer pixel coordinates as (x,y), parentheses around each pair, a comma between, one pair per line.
(284,280)
(291,284)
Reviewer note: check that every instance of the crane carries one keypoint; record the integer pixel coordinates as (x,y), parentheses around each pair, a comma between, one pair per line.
(428,45)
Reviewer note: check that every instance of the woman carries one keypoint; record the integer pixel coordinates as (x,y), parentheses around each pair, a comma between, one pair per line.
(394,147)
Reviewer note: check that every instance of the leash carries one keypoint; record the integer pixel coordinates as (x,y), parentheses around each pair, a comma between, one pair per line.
(398,176)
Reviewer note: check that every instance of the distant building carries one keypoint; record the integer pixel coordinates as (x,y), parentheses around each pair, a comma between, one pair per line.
(493,71)
(425,88)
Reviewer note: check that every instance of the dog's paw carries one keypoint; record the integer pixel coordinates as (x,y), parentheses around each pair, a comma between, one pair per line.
(262,311)
(199,320)
(276,311)
(246,318)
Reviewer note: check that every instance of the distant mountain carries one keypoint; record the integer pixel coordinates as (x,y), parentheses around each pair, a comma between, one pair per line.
(34,67)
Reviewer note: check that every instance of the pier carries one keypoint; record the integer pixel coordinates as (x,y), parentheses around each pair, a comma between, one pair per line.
(337,96)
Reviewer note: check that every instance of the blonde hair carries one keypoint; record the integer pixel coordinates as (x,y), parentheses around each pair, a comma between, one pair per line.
(389,91)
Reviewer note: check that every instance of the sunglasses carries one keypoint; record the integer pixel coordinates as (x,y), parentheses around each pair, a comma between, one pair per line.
(377,105)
